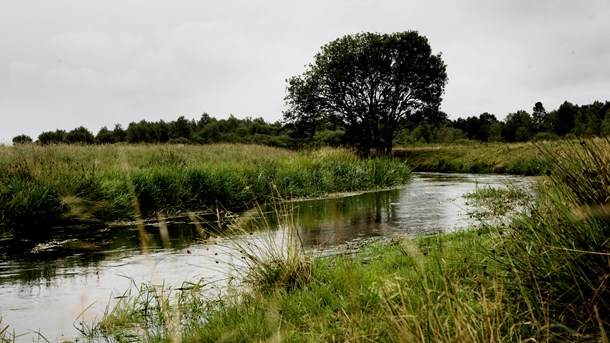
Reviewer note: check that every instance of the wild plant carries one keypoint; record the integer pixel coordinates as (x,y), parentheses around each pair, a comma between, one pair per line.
(557,260)
(270,246)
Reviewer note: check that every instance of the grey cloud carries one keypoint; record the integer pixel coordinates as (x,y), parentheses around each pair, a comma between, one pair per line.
(68,63)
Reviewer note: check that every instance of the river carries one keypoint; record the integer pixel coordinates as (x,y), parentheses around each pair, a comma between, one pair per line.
(50,288)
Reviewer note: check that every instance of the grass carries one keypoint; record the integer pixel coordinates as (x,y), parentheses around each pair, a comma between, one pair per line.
(387,291)
(46,186)
(498,204)
(269,260)
(496,158)
(558,258)
(150,313)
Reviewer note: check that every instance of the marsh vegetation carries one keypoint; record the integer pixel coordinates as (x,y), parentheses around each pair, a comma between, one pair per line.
(48,186)
(540,277)
(543,277)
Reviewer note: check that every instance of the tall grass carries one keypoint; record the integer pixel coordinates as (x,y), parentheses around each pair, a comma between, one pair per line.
(149,313)
(44,186)
(558,259)
(429,290)
(497,158)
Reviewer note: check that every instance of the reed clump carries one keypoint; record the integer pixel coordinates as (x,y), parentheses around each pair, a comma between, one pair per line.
(267,255)
(275,258)
(498,205)
(149,313)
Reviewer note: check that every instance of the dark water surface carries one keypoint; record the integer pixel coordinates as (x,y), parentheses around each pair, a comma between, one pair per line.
(50,288)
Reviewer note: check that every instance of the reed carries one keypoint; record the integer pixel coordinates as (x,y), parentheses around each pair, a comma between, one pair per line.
(46,186)
(498,205)
(430,289)
(6,335)
(557,260)
(149,313)
(496,158)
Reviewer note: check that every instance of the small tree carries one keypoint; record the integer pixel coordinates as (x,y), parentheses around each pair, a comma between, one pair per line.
(22,139)
(518,127)
(563,119)
(369,83)
(104,136)
(605,125)
(540,118)
(52,137)
(80,135)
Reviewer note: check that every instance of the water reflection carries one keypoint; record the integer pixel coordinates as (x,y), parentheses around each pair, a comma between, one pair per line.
(336,221)
(46,286)
(25,262)
(433,202)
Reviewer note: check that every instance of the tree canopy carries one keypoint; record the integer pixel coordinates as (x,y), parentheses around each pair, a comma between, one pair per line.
(368,83)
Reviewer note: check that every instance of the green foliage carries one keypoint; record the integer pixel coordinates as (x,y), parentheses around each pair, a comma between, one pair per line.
(148,313)
(105,136)
(543,278)
(518,127)
(80,135)
(27,205)
(431,289)
(477,128)
(495,204)
(22,139)
(545,136)
(52,137)
(427,133)
(361,82)
(314,130)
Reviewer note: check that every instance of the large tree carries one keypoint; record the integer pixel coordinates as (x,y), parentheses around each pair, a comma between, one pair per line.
(369,83)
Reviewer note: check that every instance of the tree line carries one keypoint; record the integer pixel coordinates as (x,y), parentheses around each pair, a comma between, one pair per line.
(569,120)
(205,130)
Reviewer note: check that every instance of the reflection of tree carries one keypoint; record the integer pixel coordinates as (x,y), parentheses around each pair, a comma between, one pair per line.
(335,221)
(30,262)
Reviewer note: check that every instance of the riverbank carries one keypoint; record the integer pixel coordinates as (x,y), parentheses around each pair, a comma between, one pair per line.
(48,186)
(96,263)
(542,278)
(489,158)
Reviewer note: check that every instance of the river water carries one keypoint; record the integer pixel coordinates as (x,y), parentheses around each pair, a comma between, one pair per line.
(50,288)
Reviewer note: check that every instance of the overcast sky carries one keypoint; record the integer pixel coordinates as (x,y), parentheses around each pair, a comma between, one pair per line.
(67,63)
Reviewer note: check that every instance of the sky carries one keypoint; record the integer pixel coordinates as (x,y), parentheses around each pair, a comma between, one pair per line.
(95,63)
